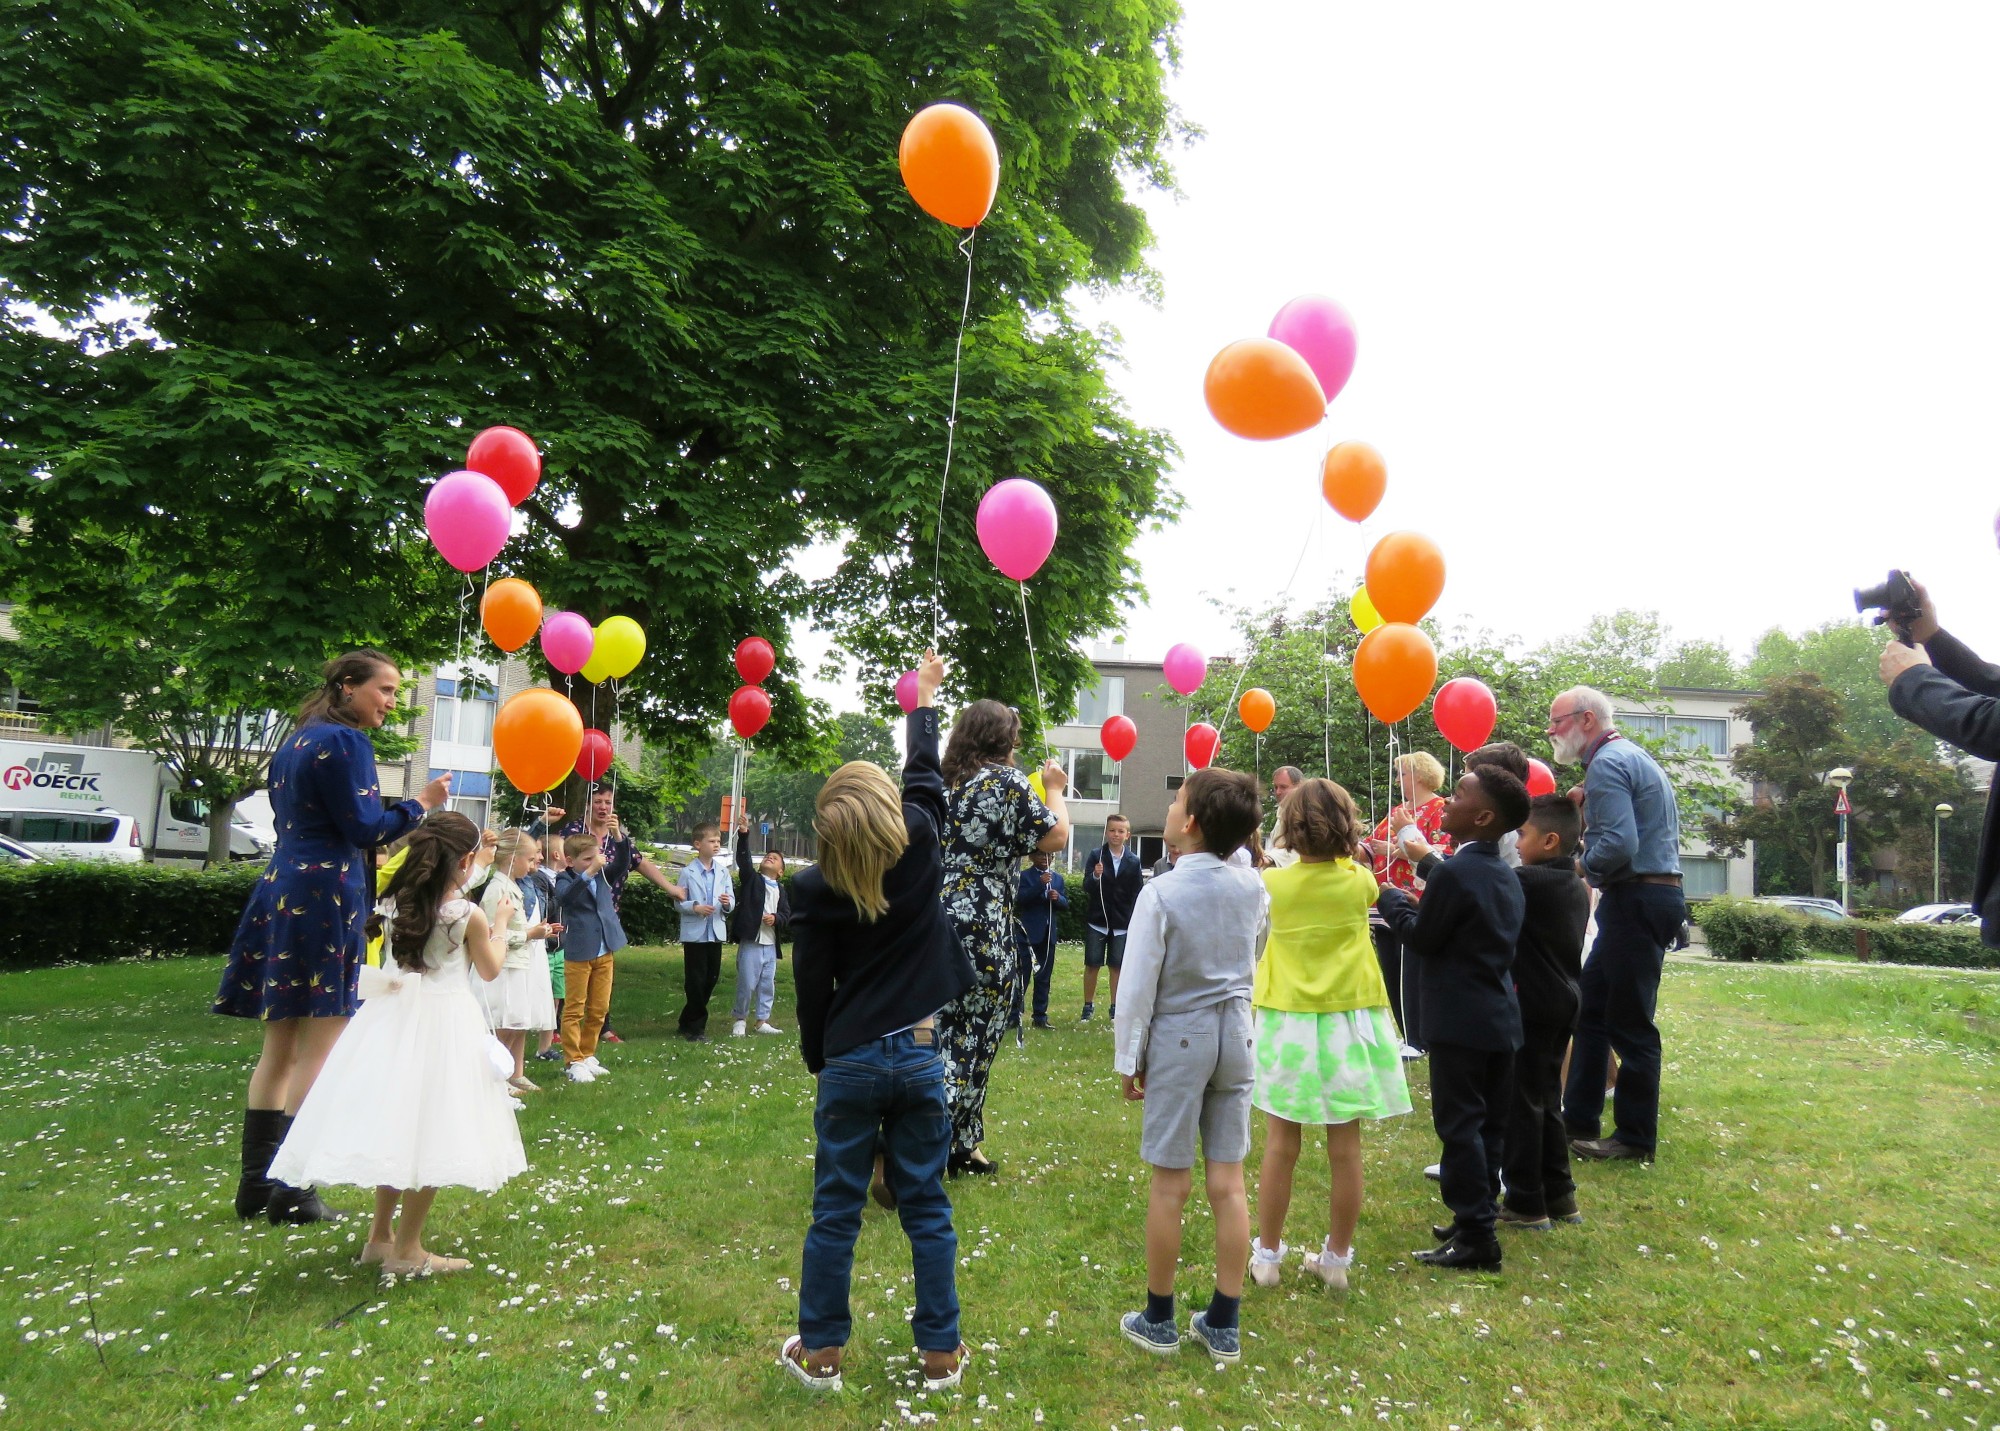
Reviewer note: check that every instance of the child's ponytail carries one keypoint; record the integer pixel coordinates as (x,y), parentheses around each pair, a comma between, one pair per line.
(429,872)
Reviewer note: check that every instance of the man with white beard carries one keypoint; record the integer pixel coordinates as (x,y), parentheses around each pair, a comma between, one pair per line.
(1631,853)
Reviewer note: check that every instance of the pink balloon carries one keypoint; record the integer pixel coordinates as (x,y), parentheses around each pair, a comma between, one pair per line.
(567,641)
(1017,526)
(906,691)
(1319,330)
(467,516)
(1187,668)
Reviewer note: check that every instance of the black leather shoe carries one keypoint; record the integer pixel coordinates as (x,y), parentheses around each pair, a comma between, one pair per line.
(1464,1254)
(1563,1209)
(978,1167)
(296,1207)
(1444,1231)
(1607,1150)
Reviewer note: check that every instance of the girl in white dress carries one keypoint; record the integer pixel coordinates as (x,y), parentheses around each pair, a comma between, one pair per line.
(522,997)
(408,1101)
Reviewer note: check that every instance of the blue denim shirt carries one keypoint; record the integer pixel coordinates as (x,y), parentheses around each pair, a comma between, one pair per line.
(1632,825)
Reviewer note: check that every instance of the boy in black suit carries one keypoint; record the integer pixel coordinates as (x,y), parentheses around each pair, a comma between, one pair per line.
(1548,960)
(1463,937)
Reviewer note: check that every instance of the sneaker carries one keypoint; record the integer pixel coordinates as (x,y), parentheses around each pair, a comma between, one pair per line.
(1602,1150)
(1265,1264)
(1042,1022)
(765,1026)
(1088,1011)
(597,1069)
(944,1370)
(581,1073)
(740,1029)
(1507,1217)
(1330,1267)
(1563,1210)
(1159,1338)
(1435,1172)
(817,1371)
(1223,1343)
(1112,1013)
(609,1037)
(552,1054)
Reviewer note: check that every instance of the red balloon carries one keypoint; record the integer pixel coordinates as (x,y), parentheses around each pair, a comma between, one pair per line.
(755,659)
(1465,712)
(1541,779)
(1201,743)
(595,757)
(749,708)
(508,456)
(1119,735)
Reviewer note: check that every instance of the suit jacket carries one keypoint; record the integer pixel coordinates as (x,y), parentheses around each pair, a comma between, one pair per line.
(749,916)
(1108,899)
(589,916)
(1463,935)
(1954,698)
(1036,909)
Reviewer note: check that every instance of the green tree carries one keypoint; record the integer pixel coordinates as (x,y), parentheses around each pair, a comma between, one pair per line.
(1701,666)
(670,241)
(1798,736)
(1844,655)
(779,790)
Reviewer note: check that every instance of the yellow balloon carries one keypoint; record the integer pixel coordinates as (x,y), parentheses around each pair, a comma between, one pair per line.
(597,670)
(1035,784)
(1366,618)
(622,644)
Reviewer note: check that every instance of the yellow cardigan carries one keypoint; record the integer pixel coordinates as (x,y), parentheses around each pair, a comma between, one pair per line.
(1320,958)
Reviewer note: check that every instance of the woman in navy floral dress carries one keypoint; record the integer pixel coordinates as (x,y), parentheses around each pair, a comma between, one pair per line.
(298,950)
(993,822)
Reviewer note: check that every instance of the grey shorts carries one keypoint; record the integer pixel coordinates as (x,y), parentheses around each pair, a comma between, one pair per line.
(1199,1074)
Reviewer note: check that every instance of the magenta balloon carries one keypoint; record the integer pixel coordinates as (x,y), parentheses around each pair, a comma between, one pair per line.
(567,641)
(1017,526)
(906,691)
(467,516)
(1319,330)
(1187,668)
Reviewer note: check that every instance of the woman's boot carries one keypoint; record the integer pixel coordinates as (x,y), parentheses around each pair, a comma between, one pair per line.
(295,1207)
(263,1130)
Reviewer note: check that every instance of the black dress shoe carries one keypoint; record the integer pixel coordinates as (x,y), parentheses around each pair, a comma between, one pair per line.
(296,1207)
(1444,1231)
(965,1163)
(1605,1150)
(1465,1254)
(1042,1022)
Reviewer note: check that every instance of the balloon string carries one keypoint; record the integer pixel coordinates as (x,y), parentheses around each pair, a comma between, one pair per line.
(1033,671)
(593,723)
(1242,670)
(613,732)
(950,436)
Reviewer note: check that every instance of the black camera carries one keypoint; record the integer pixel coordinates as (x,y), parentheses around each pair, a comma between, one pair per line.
(1894,601)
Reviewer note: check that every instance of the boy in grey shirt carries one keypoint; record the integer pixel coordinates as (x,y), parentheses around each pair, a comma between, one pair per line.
(1184,1034)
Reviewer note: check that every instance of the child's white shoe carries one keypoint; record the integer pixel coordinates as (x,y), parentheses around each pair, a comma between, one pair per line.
(580,1073)
(597,1069)
(740,1029)
(1265,1263)
(1330,1266)
(765,1026)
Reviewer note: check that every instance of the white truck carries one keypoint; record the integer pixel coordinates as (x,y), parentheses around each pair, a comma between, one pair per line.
(39,776)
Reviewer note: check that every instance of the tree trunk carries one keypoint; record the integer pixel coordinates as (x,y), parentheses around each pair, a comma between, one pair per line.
(220,814)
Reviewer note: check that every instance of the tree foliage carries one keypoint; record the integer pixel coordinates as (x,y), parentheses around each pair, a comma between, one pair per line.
(670,241)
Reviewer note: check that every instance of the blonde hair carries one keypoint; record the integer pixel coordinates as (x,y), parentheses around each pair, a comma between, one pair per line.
(859,820)
(509,846)
(1422,767)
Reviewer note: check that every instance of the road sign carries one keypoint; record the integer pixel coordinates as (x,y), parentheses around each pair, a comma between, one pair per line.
(1840,871)
(1840,805)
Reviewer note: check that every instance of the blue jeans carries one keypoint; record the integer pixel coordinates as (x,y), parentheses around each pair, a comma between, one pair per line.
(1620,990)
(893,1087)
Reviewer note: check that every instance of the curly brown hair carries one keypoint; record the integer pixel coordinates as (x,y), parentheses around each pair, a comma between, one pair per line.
(1317,820)
(985,733)
(428,873)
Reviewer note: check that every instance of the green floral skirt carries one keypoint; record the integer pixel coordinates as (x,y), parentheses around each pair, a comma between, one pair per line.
(1329,1068)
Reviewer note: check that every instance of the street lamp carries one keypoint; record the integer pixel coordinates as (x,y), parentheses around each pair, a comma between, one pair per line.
(1840,778)
(1938,817)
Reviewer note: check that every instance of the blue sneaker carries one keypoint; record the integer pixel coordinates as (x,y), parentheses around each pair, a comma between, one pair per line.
(1223,1343)
(1160,1338)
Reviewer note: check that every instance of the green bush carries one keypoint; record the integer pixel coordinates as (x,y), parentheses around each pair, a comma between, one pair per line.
(1951,946)
(87,912)
(1741,930)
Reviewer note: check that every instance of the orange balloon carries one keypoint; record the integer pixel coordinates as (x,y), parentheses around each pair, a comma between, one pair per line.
(950,164)
(1394,668)
(1261,389)
(1405,576)
(511,612)
(1257,709)
(537,737)
(1353,479)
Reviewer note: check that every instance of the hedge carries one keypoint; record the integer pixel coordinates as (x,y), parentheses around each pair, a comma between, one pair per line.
(54,912)
(1738,929)
(1741,930)
(1951,946)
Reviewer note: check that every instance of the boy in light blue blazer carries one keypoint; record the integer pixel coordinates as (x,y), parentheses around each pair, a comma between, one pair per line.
(711,895)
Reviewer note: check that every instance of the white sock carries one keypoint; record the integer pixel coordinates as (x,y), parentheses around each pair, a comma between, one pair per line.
(1264,1254)
(1329,1258)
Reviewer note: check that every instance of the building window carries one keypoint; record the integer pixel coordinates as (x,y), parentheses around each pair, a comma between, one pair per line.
(464,712)
(1082,840)
(1681,733)
(1705,877)
(1174,781)
(1093,775)
(1098,703)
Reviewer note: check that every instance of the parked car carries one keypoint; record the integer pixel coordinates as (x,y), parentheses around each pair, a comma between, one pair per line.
(13,852)
(1806,904)
(1939,914)
(76,834)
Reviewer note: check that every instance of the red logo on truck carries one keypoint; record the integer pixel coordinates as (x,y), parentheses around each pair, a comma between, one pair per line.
(17,777)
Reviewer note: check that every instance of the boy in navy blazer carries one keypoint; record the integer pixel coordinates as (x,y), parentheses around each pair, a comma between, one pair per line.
(1041,892)
(1463,937)
(591,935)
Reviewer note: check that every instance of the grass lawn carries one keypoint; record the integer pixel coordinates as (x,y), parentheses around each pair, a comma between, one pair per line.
(1816,1247)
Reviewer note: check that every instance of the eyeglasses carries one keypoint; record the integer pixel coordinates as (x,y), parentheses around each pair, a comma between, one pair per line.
(1556,720)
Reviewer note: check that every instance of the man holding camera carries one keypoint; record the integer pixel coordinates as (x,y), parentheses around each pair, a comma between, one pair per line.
(1936,683)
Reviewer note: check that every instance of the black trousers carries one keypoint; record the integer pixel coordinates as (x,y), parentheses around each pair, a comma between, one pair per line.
(1403,974)
(701,967)
(1536,1157)
(1044,963)
(1469,1093)
(1621,990)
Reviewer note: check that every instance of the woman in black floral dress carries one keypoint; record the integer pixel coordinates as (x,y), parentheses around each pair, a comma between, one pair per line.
(994,822)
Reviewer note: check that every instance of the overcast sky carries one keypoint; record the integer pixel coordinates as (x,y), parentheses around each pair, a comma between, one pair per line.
(1690,310)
